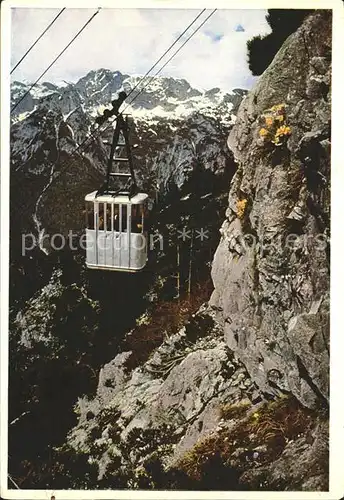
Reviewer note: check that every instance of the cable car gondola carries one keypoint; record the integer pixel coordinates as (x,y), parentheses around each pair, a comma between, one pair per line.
(116,236)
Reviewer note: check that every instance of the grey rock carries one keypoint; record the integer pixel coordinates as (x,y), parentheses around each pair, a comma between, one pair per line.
(270,304)
(309,335)
(302,466)
(187,398)
(112,377)
(262,287)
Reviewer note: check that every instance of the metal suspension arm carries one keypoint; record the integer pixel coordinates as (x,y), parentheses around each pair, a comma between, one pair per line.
(128,149)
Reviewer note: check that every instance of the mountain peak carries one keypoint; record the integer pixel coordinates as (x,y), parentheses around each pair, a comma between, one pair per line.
(159,95)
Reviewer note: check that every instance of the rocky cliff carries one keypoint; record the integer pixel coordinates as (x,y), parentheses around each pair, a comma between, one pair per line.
(238,398)
(271,269)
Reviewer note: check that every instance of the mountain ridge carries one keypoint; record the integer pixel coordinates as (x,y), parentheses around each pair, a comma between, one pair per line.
(99,87)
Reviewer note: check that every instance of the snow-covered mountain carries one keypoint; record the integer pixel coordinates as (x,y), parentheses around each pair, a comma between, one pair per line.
(175,126)
(164,95)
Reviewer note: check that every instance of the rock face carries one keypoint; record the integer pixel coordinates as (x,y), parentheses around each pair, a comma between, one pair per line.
(271,269)
(167,404)
(198,407)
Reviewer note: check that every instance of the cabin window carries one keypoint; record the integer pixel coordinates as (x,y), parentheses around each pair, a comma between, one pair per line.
(89,215)
(138,213)
(123,225)
(101,216)
(107,217)
(144,216)
(135,219)
(112,212)
(112,217)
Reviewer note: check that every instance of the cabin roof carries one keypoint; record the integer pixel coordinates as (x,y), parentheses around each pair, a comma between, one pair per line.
(124,199)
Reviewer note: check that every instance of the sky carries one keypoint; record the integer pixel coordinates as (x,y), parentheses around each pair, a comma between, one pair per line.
(131,41)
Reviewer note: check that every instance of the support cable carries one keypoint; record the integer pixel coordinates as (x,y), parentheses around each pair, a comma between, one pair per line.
(37,40)
(54,61)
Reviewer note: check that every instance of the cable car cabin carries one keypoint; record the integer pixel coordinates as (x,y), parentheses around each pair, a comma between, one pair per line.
(116,237)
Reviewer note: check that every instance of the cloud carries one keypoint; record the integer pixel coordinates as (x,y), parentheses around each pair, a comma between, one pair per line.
(131,41)
(215,37)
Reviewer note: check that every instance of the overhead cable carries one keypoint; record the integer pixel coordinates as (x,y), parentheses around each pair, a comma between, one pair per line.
(37,40)
(54,61)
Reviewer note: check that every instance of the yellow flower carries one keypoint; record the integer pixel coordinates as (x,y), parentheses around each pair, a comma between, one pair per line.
(283,130)
(280,118)
(241,206)
(269,121)
(263,132)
